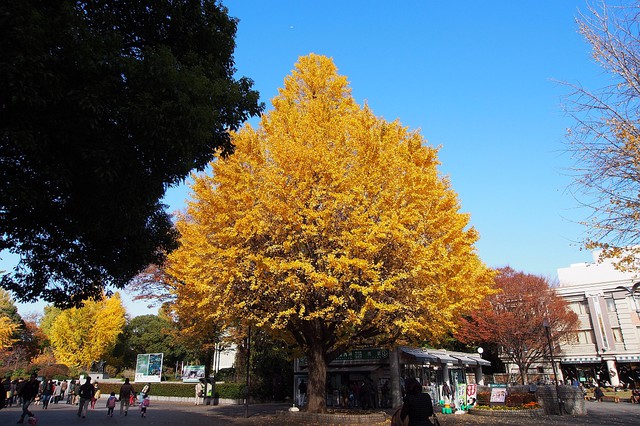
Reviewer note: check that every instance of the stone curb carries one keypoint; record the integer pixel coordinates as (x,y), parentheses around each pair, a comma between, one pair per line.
(535,412)
(334,419)
(189,400)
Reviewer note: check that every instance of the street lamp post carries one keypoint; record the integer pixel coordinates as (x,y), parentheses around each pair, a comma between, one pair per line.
(479,376)
(547,329)
(632,292)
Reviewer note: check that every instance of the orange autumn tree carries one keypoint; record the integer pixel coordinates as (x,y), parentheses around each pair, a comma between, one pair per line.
(329,227)
(512,319)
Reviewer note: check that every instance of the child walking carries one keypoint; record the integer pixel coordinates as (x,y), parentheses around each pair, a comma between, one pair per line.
(143,405)
(111,404)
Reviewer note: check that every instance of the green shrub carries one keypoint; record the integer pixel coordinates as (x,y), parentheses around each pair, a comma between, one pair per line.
(223,390)
(230,390)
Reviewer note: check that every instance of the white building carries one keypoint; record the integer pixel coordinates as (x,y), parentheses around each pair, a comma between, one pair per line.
(607,345)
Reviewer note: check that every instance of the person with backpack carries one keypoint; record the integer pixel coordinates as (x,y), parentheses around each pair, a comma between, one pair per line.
(111,404)
(145,390)
(417,405)
(28,390)
(126,392)
(86,394)
(143,405)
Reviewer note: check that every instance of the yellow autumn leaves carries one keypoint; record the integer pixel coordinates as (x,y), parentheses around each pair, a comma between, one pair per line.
(327,213)
(79,336)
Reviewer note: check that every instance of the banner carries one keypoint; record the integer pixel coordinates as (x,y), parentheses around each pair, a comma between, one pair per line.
(498,395)
(461,395)
(149,368)
(472,394)
(192,373)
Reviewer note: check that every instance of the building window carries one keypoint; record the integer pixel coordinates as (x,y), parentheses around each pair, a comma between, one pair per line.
(611,305)
(584,337)
(578,307)
(617,335)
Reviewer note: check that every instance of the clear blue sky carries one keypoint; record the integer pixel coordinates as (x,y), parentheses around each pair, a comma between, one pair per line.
(477,79)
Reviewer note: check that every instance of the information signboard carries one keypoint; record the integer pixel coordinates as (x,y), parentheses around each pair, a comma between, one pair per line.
(149,368)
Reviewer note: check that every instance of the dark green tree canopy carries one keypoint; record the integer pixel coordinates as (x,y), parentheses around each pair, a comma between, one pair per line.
(104,104)
(152,334)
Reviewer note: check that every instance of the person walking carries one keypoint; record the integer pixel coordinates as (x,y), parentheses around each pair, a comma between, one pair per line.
(143,405)
(16,390)
(57,393)
(302,388)
(28,390)
(86,394)
(111,404)
(145,390)
(47,390)
(417,405)
(63,390)
(96,395)
(71,391)
(126,391)
(6,386)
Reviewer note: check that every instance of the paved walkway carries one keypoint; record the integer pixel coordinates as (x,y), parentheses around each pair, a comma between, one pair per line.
(170,413)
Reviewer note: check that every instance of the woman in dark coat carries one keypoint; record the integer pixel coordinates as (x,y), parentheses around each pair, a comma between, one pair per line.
(599,395)
(417,405)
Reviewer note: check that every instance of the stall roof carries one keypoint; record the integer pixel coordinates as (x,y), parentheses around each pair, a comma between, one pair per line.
(465,359)
(470,359)
(443,356)
(420,354)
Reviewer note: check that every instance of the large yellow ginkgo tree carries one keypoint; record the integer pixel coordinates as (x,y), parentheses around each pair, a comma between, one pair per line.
(80,336)
(330,227)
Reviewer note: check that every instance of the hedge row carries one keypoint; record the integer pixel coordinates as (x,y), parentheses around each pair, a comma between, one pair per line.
(223,390)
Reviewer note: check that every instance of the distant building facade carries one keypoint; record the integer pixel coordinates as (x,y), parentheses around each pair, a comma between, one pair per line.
(606,348)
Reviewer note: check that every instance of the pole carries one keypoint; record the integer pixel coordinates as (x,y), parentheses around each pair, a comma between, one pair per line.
(547,329)
(248,384)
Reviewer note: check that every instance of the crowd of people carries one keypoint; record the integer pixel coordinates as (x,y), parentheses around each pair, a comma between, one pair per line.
(30,392)
(357,394)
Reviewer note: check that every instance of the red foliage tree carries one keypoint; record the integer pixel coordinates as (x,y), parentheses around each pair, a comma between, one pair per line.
(513,317)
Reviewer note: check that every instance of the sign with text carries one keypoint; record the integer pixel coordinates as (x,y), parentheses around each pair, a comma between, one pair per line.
(364,354)
(192,373)
(149,368)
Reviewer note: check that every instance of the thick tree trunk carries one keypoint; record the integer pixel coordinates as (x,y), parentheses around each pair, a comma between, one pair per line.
(317,379)
(394,364)
(524,378)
